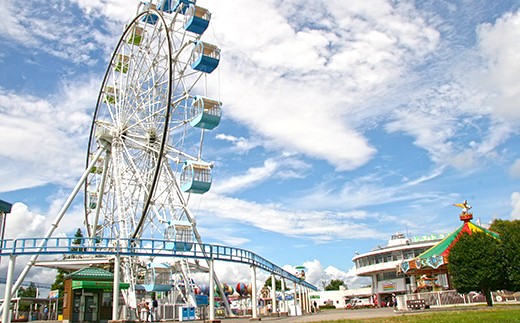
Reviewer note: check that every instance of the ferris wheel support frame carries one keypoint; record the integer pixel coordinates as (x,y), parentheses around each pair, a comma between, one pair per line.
(4,310)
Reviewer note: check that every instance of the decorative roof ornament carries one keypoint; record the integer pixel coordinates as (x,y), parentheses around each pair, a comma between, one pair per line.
(465,215)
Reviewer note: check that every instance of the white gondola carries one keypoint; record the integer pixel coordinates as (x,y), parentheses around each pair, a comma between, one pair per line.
(135,36)
(92,200)
(110,94)
(122,62)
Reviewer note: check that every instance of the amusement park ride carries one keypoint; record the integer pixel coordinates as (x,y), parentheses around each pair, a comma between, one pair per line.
(144,157)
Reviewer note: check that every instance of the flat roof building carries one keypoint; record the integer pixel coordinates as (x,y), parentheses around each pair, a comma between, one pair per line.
(382,263)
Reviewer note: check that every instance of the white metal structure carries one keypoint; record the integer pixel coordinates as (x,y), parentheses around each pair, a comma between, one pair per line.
(142,125)
(142,137)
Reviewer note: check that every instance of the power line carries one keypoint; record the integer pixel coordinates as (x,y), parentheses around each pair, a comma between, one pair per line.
(26,283)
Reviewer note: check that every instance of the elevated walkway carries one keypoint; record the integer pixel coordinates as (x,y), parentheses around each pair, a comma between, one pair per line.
(102,249)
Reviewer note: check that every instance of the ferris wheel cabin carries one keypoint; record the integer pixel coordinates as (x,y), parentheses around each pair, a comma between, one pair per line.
(197,19)
(181,235)
(195,177)
(151,18)
(205,113)
(135,36)
(205,57)
(110,93)
(122,63)
(181,5)
(157,277)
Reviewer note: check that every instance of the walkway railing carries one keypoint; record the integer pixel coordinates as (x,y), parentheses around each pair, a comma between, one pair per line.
(142,247)
(452,298)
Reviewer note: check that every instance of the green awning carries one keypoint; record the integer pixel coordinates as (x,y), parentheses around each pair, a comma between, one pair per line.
(90,284)
(91,273)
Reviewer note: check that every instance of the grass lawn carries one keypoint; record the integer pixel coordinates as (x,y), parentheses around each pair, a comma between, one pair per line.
(498,314)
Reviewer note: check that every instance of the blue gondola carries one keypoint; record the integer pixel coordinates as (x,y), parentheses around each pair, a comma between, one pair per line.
(197,19)
(181,5)
(158,277)
(205,113)
(205,57)
(195,177)
(181,235)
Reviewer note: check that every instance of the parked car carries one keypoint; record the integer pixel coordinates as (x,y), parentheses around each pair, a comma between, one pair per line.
(356,303)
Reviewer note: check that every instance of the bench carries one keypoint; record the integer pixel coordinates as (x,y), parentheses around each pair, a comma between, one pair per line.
(417,304)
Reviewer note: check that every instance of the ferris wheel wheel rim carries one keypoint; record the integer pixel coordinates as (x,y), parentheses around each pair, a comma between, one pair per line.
(99,106)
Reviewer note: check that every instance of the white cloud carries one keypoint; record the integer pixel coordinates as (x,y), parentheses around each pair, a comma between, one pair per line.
(36,26)
(299,83)
(48,137)
(233,273)
(314,225)
(515,204)
(241,144)
(283,168)
(500,78)
(365,191)
(119,11)
(22,222)
(514,170)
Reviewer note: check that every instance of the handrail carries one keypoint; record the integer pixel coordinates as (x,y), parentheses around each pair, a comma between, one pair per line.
(141,247)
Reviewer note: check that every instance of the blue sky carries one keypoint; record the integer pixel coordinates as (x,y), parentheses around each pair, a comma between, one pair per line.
(343,121)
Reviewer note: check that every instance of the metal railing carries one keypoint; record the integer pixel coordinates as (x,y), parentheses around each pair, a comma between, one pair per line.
(453,298)
(140,247)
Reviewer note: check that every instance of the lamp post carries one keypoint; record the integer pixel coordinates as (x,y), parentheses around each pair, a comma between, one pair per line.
(5,208)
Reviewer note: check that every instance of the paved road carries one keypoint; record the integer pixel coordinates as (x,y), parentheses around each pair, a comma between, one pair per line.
(325,315)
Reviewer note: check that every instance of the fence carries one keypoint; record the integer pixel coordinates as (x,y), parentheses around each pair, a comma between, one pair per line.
(452,298)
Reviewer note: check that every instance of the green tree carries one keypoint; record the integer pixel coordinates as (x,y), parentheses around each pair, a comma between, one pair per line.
(510,237)
(30,291)
(472,264)
(78,241)
(277,284)
(334,284)
(58,281)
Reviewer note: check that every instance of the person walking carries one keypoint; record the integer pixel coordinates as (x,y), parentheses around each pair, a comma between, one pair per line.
(394,301)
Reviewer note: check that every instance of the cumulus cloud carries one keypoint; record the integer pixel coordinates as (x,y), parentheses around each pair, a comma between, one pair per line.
(284,168)
(515,204)
(316,275)
(514,170)
(40,129)
(302,83)
(241,144)
(501,57)
(22,222)
(314,225)
(36,26)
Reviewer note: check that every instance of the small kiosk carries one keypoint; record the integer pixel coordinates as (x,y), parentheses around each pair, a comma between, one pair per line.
(87,295)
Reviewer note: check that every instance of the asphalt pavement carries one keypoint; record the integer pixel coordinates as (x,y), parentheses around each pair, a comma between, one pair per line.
(324,315)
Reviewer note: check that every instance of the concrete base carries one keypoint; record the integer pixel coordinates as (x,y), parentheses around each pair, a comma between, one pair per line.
(255,319)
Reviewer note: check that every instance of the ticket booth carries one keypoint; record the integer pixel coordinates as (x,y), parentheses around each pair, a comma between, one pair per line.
(87,295)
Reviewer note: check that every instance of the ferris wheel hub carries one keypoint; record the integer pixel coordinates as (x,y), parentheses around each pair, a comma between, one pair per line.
(104,134)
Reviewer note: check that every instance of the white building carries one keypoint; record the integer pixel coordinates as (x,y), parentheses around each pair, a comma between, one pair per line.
(339,298)
(381,263)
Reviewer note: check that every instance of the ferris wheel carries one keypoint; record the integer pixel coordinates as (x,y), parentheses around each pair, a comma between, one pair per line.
(148,129)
